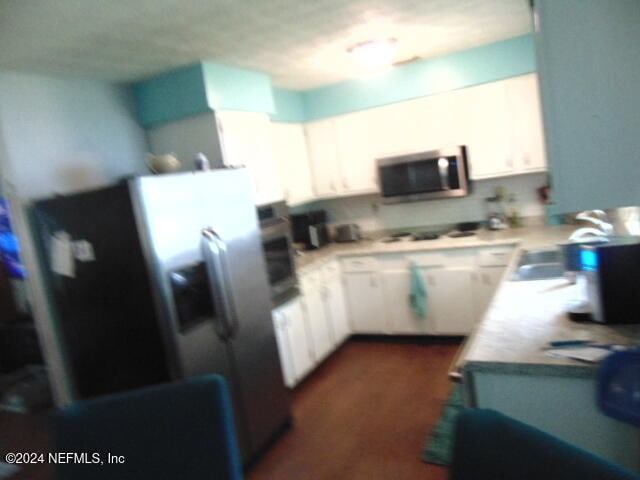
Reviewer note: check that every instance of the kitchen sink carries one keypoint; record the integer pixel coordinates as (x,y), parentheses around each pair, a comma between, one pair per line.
(539,265)
(530,257)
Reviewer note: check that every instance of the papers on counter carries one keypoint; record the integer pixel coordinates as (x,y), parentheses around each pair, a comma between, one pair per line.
(591,354)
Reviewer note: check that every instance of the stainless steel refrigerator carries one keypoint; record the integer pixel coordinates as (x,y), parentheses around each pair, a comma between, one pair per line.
(161,278)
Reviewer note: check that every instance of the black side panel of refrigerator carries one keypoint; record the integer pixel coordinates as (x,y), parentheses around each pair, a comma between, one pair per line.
(104,312)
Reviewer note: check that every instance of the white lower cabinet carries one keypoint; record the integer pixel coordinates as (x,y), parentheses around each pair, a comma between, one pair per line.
(284,348)
(365,302)
(294,348)
(450,305)
(459,284)
(371,295)
(396,290)
(335,306)
(309,327)
(321,335)
(485,283)
(292,162)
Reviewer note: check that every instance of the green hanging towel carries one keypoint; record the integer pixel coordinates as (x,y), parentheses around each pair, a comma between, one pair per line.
(418,292)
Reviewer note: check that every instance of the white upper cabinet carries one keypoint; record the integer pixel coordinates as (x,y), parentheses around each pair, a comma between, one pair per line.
(323,157)
(394,129)
(340,155)
(292,162)
(423,124)
(499,122)
(438,121)
(528,137)
(489,146)
(355,157)
(505,128)
(246,140)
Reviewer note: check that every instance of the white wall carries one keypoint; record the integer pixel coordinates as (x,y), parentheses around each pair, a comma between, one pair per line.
(367,211)
(59,135)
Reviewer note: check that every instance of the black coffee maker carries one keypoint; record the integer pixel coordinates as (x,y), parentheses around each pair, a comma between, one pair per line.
(612,272)
(310,229)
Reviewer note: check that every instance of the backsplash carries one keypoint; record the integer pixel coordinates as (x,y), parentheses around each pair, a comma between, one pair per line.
(368,212)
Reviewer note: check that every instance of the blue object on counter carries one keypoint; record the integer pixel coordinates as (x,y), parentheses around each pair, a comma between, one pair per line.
(619,386)
(570,343)
(418,292)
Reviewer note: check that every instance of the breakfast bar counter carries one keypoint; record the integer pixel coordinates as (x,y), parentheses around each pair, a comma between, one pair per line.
(522,320)
(506,367)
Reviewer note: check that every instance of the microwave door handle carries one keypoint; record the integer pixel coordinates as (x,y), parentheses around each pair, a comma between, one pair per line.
(214,252)
(443,167)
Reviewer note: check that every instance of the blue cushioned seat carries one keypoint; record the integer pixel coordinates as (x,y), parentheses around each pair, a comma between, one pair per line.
(492,446)
(173,431)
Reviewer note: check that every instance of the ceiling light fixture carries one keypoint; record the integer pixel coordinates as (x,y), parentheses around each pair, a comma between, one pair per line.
(374,53)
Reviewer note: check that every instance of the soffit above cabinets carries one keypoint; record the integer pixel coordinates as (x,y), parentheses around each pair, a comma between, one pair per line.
(301,44)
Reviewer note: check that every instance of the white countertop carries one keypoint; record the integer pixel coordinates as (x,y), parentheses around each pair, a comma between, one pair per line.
(521,321)
(529,237)
(524,316)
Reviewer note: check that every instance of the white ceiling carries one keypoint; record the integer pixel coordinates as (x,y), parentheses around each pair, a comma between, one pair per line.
(301,44)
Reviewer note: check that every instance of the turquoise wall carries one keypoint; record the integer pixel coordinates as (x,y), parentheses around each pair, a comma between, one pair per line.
(200,88)
(210,86)
(289,106)
(230,88)
(590,101)
(171,96)
(427,77)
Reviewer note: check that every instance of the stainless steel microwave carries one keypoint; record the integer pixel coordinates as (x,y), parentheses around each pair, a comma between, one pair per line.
(424,176)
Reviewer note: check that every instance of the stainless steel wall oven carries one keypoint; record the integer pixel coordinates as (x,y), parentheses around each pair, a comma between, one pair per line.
(278,251)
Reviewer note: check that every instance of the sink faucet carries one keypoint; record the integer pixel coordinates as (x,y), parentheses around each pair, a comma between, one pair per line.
(602,227)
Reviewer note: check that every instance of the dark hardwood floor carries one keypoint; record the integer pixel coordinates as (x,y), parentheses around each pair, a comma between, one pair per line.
(364,414)
(26,434)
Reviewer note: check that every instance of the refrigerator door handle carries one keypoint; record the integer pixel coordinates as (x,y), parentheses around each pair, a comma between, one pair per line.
(215,255)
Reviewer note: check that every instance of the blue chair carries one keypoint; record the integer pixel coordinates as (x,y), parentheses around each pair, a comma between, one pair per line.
(173,431)
(490,446)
